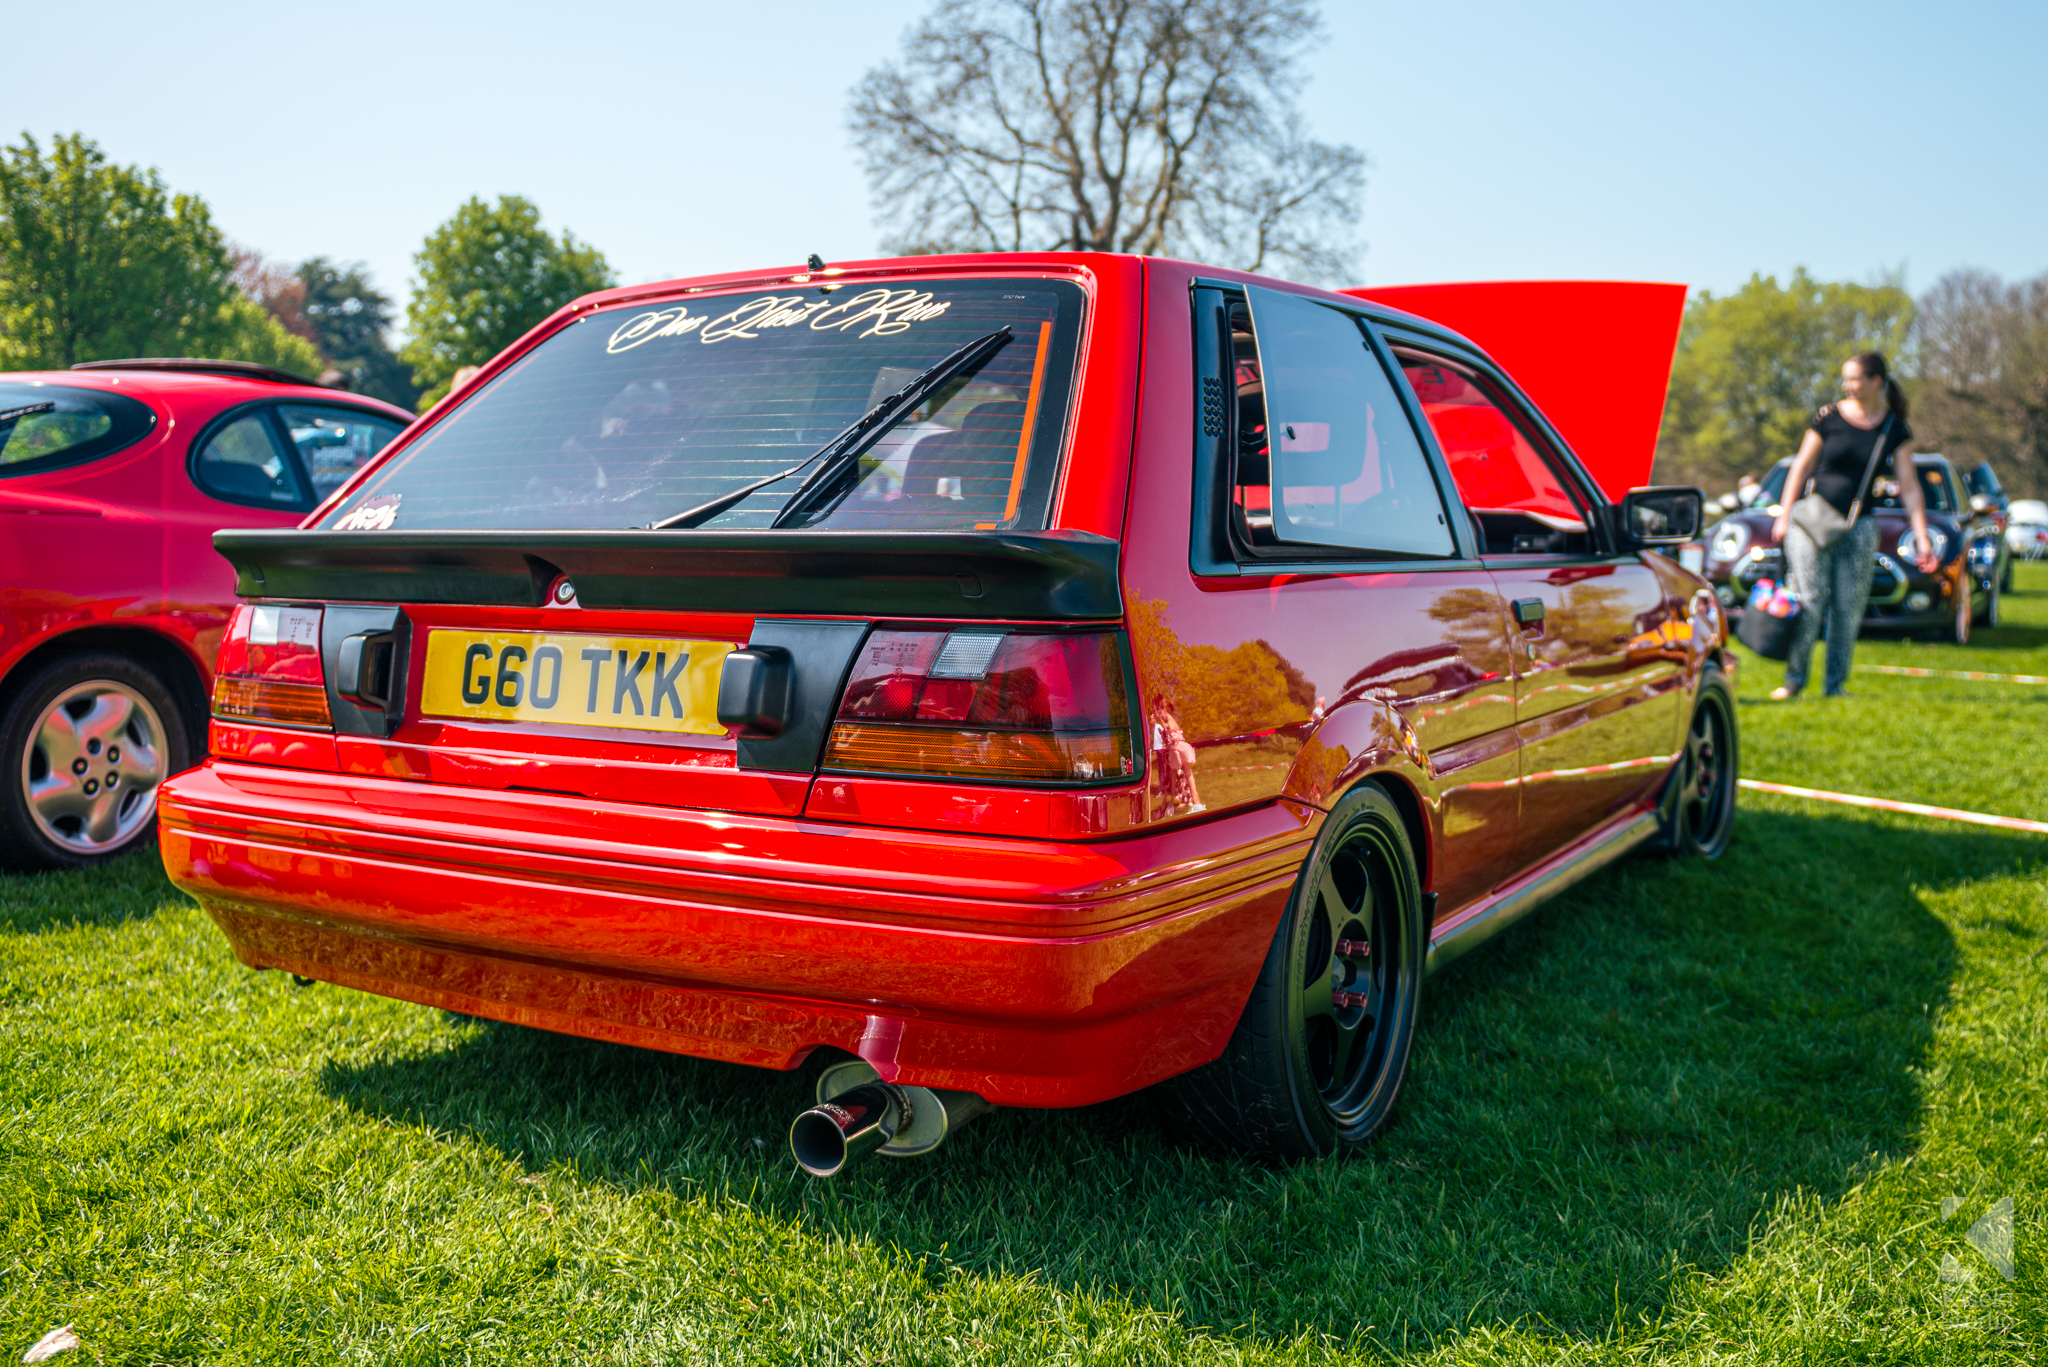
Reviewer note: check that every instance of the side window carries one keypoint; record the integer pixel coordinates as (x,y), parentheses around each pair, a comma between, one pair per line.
(244,462)
(1519,503)
(334,443)
(1325,453)
(44,426)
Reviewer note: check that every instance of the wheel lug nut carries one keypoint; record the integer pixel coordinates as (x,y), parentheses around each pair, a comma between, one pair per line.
(113,754)
(92,785)
(92,747)
(1345,999)
(78,766)
(112,779)
(1354,949)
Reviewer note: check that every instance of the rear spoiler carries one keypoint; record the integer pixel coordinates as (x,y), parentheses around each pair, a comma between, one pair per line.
(1595,355)
(1061,575)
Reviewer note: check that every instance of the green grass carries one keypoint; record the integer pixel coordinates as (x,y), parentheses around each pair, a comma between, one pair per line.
(1693,1114)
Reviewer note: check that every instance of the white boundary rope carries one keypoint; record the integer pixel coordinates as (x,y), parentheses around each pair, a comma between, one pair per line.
(1969,674)
(1885,804)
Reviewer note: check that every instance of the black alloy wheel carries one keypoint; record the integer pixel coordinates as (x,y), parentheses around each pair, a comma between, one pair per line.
(1699,811)
(1319,1055)
(84,742)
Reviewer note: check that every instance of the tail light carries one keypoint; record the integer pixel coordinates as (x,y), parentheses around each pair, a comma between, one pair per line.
(990,704)
(268,669)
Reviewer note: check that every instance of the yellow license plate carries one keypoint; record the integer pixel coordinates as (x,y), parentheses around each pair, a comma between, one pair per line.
(639,683)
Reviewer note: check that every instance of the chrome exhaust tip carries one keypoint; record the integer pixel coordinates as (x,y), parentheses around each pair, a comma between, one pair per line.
(858,1114)
(851,1125)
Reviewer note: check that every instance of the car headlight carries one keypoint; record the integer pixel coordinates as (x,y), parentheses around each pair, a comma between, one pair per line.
(1727,541)
(1936,538)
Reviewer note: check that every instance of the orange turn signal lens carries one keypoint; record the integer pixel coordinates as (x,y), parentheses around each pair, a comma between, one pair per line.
(262,700)
(1032,756)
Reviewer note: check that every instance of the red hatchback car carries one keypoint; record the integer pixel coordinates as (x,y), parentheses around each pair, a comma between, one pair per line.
(1012,680)
(114,477)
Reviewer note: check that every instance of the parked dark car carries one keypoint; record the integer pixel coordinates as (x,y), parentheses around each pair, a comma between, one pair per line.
(1987,495)
(1965,589)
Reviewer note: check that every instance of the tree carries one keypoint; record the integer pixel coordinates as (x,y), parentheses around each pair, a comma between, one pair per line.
(487,275)
(1983,388)
(351,319)
(277,288)
(246,331)
(267,323)
(1157,126)
(100,261)
(1753,366)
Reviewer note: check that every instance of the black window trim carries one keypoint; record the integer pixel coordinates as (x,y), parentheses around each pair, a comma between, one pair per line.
(86,452)
(1213,547)
(281,434)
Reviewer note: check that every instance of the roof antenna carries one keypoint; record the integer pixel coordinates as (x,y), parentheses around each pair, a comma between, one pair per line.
(816,263)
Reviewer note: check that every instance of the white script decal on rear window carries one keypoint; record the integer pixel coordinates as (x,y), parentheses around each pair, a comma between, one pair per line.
(371,515)
(885,311)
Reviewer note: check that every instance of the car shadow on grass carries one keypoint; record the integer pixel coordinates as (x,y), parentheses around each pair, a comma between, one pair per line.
(1625,1086)
(129,888)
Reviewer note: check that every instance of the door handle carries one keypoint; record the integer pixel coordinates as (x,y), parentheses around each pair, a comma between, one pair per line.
(1528,611)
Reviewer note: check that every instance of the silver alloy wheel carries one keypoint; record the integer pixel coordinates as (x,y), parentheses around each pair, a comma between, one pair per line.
(92,766)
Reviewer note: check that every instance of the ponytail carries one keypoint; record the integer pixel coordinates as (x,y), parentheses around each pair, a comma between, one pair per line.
(1872,363)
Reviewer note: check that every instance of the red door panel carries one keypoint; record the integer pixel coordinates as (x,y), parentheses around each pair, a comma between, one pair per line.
(1597,695)
(1260,676)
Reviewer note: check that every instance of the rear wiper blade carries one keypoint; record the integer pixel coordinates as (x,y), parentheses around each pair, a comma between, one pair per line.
(851,444)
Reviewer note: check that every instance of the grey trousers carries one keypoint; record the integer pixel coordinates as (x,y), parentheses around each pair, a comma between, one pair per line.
(1834,583)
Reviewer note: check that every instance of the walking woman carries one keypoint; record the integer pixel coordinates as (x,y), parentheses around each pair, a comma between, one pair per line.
(1829,536)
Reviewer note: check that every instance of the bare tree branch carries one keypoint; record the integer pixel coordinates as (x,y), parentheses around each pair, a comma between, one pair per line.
(1156,126)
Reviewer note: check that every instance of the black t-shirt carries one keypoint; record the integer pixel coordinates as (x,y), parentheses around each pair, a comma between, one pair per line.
(1845,455)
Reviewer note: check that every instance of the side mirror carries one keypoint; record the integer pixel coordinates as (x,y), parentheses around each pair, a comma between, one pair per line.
(1667,515)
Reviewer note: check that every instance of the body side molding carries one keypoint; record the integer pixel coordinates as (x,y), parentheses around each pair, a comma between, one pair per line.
(1509,905)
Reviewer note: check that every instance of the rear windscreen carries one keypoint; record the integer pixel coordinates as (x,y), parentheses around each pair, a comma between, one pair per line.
(636,414)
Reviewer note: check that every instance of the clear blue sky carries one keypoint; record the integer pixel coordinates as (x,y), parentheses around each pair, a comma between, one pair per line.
(1693,142)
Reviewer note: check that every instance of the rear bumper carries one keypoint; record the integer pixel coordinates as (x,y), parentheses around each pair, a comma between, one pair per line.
(1039,973)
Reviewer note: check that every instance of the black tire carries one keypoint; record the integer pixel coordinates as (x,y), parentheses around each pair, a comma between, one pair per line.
(1699,808)
(1308,1072)
(99,716)
(1993,615)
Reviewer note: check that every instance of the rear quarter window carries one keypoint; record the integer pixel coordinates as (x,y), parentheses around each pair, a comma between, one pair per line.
(635,414)
(46,426)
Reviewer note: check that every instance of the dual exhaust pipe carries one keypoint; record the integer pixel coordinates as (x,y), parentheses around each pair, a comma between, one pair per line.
(858,1114)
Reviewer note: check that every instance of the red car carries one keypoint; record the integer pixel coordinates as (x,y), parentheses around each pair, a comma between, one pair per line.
(1010,680)
(114,476)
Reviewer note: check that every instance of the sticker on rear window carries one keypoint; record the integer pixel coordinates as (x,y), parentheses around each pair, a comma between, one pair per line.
(371,515)
(885,311)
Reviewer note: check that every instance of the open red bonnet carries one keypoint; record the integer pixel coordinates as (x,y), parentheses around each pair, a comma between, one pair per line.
(1595,355)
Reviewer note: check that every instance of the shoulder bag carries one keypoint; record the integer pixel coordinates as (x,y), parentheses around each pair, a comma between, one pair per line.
(1817,517)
